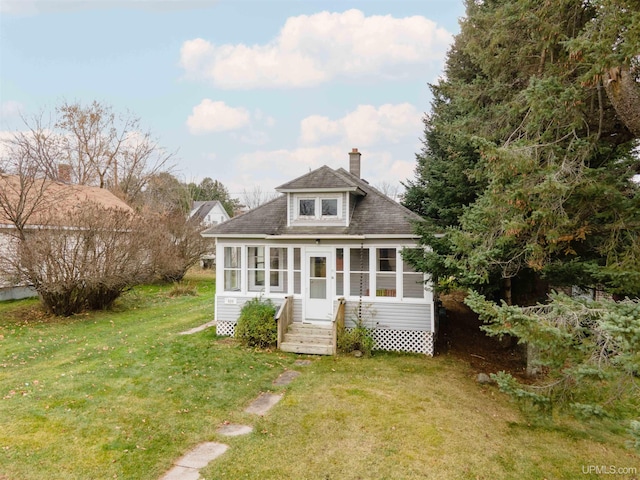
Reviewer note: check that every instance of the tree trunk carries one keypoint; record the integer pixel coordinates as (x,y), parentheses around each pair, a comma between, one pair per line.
(624,93)
(507,291)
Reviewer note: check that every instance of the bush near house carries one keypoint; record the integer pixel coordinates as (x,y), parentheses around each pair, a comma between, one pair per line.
(256,326)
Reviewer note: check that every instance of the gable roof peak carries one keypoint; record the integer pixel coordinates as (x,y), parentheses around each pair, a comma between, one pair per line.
(323,178)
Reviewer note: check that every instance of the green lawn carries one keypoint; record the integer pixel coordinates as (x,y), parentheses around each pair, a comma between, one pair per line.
(120,394)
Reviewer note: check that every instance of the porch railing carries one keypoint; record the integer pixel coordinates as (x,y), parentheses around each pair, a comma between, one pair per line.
(337,323)
(284,318)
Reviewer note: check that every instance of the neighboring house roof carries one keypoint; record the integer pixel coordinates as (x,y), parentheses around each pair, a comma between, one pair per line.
(373,213)
(201,209)
(57,197)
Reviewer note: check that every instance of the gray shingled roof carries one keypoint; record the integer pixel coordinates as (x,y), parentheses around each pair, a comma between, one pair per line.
(203,208)
(321,178)
(373,213)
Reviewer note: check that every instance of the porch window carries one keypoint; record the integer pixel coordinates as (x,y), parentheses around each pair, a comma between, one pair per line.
(278,269)
(255,259)
(385,272)
(297,281)
(412,282)
(232,269)
(339,271)
(359,272)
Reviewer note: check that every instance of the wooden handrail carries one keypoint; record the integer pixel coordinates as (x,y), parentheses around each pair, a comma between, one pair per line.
(284,318)
(337,323)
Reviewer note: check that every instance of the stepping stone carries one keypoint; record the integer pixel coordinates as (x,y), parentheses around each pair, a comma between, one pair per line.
(181,473)
(233,430)
(263,403)
(199,329)
(286,378)
(200,456)
(302,363)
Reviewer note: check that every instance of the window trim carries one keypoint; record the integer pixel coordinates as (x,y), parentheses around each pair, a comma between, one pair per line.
(318,216)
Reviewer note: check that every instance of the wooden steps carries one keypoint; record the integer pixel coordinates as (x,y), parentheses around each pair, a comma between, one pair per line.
(308,338)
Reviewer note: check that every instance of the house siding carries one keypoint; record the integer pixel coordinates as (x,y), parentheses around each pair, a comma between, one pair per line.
(227,311)
(396,316)
(396,327)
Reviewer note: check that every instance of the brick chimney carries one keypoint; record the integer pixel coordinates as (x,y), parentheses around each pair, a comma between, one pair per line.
(354,162)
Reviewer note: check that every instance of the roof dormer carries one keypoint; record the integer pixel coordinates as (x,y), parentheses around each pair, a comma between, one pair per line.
(322,197)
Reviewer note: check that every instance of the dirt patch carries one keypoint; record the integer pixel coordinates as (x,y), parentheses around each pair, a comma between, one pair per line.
(460,336)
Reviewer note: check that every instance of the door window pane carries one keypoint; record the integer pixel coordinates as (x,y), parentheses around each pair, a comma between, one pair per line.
(318,267)
(318,277)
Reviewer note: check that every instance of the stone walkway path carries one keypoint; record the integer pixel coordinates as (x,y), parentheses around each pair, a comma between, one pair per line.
(188,466)
(199,329)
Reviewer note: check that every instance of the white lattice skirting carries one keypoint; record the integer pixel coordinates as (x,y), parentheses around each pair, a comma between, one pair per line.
(226,329)
(416,341)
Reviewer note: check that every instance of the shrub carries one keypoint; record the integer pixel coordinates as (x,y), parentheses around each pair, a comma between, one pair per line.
(358,338)
(361,336)
(256,326)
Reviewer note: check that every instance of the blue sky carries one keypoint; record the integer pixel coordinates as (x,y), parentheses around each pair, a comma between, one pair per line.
(251,93)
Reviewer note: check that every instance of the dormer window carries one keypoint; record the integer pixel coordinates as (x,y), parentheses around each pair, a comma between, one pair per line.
(329,207)
(307,207)
(318,208)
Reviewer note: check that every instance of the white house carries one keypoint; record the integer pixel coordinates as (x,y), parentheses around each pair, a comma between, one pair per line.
(209,213)
(329,240)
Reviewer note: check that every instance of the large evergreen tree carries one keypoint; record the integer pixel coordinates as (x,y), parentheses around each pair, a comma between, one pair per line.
(527,166)
(527,173)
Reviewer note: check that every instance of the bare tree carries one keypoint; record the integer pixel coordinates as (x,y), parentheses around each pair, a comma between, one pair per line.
(389,189)
(109,150)
(256,196)
(175,243)
(26,160)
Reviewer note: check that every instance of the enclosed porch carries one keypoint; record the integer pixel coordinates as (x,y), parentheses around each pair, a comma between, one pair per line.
(321,286)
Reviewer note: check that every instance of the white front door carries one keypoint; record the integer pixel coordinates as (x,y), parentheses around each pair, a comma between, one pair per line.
(318,299)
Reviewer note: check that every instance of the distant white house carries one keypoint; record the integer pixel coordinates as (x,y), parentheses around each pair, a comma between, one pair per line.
(209,214)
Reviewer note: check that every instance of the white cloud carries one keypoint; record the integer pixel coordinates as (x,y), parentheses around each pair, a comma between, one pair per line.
(209,116)
(366,125)
(313,49)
